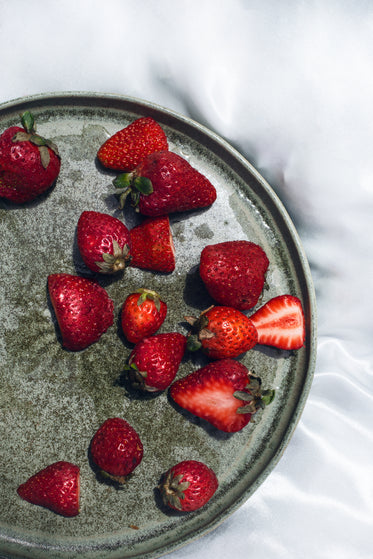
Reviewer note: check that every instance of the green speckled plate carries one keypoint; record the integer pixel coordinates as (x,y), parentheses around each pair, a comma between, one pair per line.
(52,401)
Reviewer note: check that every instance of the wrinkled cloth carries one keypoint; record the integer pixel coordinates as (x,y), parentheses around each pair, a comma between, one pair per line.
(290,85)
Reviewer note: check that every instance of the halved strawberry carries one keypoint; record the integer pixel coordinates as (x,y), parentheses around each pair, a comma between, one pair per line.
(223,393)
(280,323)
(152,246)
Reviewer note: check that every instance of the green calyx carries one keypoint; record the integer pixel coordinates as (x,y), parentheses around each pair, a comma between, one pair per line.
(138,378)
(172,490)
(30,135)
(200,327)
(118,260)
(131,184)
(256,398)
(148,294)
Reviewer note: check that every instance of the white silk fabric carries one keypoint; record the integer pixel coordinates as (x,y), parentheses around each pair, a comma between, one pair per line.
(290,85)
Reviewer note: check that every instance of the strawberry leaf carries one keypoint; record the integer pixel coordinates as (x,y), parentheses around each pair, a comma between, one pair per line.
(143,185)
(268,396)
(28,122)
(123,180)
(44,156)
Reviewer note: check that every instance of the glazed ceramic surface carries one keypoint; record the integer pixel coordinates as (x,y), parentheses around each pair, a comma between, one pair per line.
(53,401)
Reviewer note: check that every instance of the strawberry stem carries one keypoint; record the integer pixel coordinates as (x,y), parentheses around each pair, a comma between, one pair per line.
(28,122)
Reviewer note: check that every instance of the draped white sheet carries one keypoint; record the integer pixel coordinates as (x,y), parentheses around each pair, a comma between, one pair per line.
(290,84)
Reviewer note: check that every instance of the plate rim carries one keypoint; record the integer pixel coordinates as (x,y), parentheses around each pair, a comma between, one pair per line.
(63,98)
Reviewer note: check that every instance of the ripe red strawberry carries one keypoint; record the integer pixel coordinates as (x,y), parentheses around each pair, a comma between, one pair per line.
(103,242)
(223,332)
(125,149)
(83,309)
(280,323)
(234,273)
(29,164)
(152,246)
(116,449)
(143,313)
(164,183)
(56,487)
(223,393)
(154,361)
(188,485)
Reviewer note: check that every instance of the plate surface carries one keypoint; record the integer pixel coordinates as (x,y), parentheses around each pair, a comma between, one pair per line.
(52,401)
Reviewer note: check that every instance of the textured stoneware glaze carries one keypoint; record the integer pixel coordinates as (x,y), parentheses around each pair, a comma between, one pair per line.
(52,400)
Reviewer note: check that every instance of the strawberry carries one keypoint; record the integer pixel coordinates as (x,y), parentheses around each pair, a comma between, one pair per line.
(154,361)
(222,332)
(280,323)
(164,183)
(56,487)
(234,273)
(143,312)
(188,485)
(223,393)
(29,164)
(83,309)
(116,449)
(152,246)
(126,148)
(103,242)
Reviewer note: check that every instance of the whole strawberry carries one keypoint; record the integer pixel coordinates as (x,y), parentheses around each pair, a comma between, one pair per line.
(188,485)
(164,183)
(29,164)
(152,246)
(223,393)
(222,332)
(116,449)
(103,242)
(126,148)
(143,313)
(280,323)
(83,309)
(234,273)
(154,362)
(56,487)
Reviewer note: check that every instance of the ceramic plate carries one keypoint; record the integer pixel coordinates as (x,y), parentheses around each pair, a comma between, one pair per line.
(52,401)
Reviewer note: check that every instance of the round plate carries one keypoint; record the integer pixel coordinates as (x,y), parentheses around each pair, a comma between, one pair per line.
(53,401)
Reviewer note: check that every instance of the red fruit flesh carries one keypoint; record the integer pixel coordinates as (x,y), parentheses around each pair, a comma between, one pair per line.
(56,487)
(116,448)
(83,309)
(152,246)
(234,272)
(124,150)
(208,393)
(280,323)
(177,186)
(188,485)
